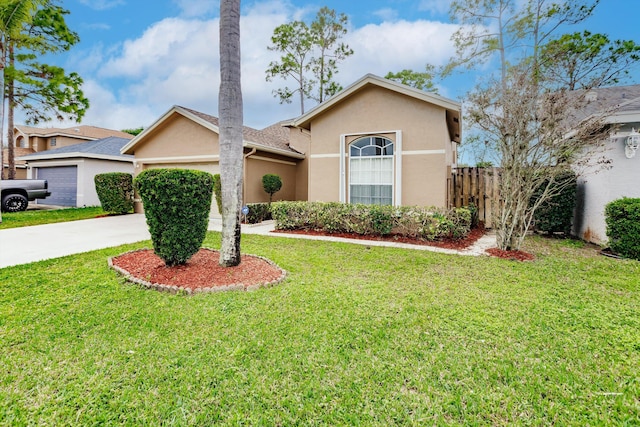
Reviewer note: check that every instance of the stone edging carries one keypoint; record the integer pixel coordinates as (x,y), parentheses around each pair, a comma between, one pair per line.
(179,289)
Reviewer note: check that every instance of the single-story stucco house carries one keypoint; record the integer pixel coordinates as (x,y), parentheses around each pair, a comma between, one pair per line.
(620,178)
(377,141)
(70,170)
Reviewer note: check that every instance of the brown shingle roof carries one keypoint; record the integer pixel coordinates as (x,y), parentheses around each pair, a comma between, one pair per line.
(275,136)
(81,132)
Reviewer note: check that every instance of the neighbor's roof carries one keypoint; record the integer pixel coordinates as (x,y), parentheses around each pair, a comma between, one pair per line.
(104,149)
(81,132)
(452,107)
(272,139)
(624,101)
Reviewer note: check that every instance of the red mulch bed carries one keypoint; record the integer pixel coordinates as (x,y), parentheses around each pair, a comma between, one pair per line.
(513,255)
(201,273)
(456,244)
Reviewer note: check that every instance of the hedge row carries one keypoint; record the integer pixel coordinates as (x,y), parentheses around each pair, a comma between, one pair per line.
(623,227)
(258,212)
(410,221)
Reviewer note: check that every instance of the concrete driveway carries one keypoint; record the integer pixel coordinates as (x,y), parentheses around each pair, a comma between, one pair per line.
(23,245)
(29,244)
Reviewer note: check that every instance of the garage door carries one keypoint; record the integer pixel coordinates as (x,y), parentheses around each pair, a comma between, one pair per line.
(63,184)
(212,168)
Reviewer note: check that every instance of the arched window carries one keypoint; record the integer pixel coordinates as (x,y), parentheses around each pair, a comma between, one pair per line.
(371,171)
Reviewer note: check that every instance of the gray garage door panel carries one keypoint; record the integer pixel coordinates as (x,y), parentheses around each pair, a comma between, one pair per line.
(63,185)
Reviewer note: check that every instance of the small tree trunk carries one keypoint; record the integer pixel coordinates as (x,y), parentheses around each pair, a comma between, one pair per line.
(11,160)
(230,106)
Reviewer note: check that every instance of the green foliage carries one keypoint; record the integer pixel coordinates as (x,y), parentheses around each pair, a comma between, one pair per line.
(217,191)
(409,221)
(258,212)
(555,214)
(43,91)
(584,60)
(484,164)
(115,191)
(623,226)
(176,204)
(310,56)
(134,131)
(419,80)
(271,183)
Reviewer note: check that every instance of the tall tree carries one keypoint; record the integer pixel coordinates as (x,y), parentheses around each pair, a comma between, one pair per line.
(230,125)
(311,54)
(419,80)
(13,15)
(42,91)
(326,31)
(529,116)
(294,42)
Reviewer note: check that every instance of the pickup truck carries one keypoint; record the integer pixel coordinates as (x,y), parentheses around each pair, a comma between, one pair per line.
(17,193)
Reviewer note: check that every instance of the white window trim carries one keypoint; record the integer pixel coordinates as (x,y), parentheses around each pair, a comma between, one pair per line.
(397,172)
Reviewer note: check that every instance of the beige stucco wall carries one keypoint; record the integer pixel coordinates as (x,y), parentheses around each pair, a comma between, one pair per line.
(300,140)
(177,137)
(426,144)
(257,166)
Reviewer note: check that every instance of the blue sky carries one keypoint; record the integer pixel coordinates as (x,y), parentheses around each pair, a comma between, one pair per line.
(140,57)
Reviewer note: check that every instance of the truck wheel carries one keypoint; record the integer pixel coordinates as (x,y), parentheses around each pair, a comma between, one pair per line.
(14,203)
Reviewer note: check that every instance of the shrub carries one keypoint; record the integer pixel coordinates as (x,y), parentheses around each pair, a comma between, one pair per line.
(176,204)
(409,221)
(115,192)
(555,215)
(623,227)
(217,191)
(271,184)
(258,212)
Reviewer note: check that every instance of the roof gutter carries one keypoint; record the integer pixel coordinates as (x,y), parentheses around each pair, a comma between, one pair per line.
(264,148)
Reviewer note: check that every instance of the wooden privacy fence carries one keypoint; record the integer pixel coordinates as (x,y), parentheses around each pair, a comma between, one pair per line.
(478,186)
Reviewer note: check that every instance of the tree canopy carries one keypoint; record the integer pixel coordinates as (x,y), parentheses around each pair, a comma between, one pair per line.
(529,110)
(310,57)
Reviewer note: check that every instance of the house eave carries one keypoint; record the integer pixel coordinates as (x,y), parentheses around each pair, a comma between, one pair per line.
(75,155)
(272,150)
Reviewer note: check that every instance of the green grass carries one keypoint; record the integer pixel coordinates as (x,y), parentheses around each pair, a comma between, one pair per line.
(354,336)
(39,217)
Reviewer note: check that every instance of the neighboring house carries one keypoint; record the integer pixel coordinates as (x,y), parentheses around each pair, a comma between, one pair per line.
(27,140)
(70,170)
(377,141)
(620,178)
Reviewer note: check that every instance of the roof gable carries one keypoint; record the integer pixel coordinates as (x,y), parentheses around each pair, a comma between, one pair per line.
(268,139)
(304,120)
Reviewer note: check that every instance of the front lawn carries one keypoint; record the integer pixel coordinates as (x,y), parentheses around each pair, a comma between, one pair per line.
(355,335)
(39,217)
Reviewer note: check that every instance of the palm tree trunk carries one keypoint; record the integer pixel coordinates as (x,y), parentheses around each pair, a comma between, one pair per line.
(230,125)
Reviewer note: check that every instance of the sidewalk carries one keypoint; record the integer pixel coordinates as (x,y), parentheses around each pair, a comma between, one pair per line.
(29,244)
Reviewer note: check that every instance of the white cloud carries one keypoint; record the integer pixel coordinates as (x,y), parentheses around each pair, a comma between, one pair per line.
(176,61)
(393,46)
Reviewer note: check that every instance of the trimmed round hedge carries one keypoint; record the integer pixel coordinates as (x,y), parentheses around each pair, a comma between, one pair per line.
(115,192)
(176,204)
(623,226)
